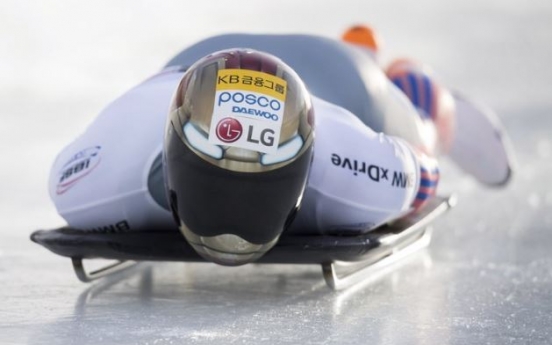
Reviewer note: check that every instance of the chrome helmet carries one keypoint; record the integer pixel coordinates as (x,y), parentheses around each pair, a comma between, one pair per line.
(238,149)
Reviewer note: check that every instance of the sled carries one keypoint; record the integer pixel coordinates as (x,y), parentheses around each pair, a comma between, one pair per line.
(345,260)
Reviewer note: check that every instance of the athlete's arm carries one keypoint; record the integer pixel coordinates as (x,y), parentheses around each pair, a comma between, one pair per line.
(110,177)
(360,179)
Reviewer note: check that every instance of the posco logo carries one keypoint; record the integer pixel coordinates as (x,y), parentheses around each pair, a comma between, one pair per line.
(249,98)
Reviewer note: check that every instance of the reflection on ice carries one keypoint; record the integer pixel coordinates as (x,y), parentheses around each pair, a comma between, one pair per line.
(163,303)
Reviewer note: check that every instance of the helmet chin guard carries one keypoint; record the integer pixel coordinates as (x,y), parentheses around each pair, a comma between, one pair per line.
(238,148)
(226,249)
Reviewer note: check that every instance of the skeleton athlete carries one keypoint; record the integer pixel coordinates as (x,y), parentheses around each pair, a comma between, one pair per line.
(242,137)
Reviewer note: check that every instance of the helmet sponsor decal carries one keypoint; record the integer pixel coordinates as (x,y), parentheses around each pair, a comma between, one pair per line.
(77,167)
(250,103)
(229,130)
(376,173)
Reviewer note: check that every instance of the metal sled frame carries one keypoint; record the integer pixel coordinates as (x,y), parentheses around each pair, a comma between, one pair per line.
(340,275)
(86,277)
(345,260)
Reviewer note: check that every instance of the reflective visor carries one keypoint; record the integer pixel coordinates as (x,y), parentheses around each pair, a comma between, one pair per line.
(214,201)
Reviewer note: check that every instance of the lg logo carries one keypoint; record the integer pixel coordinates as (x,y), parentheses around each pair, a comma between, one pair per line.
(229,130)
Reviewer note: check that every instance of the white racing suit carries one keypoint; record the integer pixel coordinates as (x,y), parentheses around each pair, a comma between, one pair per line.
(110,178)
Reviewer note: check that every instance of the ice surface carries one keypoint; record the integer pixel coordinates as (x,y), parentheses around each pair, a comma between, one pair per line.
(487,277)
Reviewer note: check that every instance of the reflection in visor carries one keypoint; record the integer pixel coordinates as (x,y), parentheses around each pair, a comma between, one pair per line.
(200,142)
(226,249)
(285,152)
